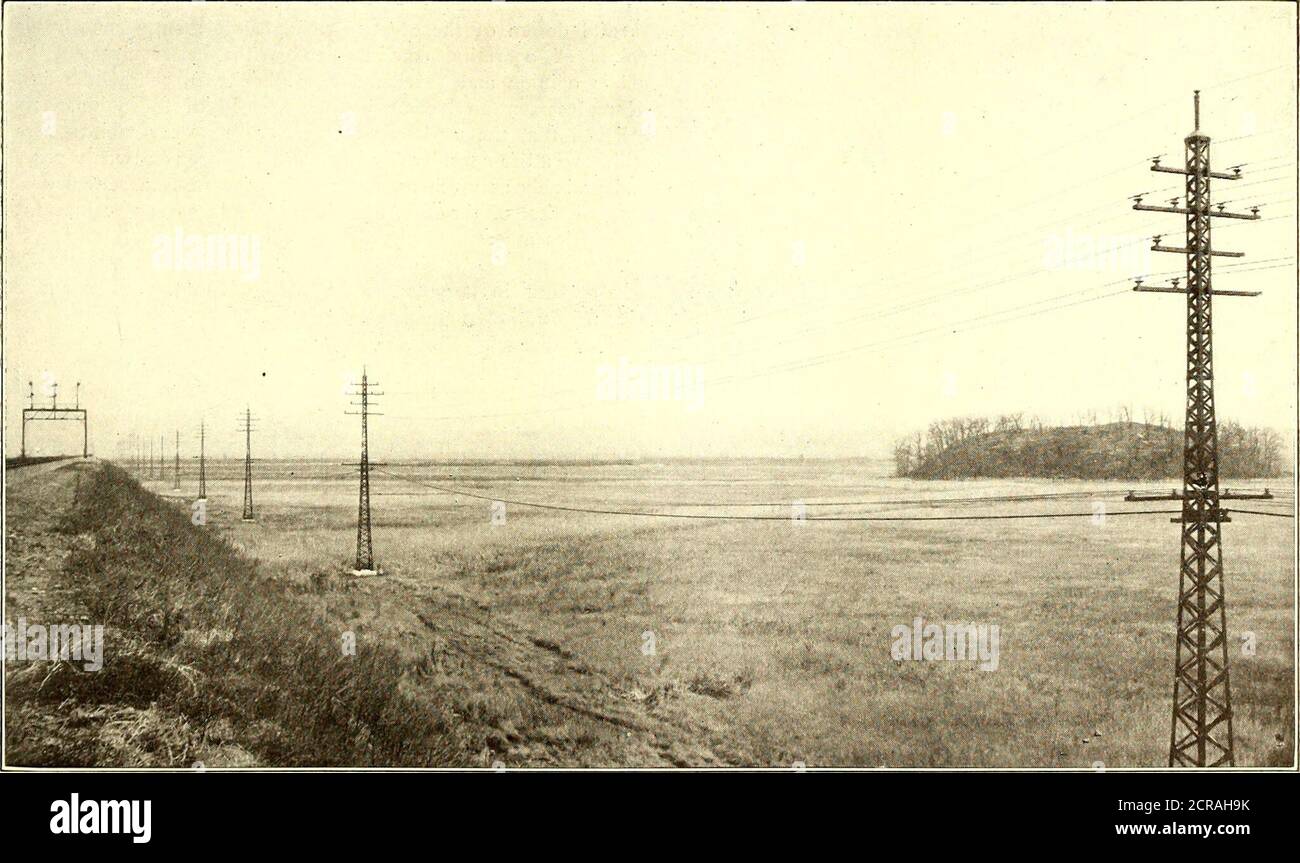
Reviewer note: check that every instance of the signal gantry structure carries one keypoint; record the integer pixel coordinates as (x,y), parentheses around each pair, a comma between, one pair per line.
(54,413)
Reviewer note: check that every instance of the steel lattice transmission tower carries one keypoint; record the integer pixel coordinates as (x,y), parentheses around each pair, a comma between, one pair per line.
(176,469)
(1201,728)
(365,562)
(203,478)
(246,427)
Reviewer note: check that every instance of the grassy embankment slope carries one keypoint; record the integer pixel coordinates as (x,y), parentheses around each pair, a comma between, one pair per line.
(206,660)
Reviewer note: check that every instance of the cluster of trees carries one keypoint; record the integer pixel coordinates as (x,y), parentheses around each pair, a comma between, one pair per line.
(911,452)
(1116,447)
(1250,452)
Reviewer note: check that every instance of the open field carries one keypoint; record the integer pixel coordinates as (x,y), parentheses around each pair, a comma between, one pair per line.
(771,639)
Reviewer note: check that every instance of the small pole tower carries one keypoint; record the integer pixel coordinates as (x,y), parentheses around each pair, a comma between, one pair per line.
(365,562)
(247,429)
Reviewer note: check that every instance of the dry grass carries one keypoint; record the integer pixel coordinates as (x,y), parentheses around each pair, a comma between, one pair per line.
(772,639)
(207,660)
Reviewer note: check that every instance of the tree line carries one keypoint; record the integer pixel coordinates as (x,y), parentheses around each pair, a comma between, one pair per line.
(1110,447)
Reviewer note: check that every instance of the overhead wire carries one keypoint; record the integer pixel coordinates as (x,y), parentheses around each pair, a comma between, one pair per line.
(711,517)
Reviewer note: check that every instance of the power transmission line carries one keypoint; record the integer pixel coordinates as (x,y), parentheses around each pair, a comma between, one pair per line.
(203,476)
(1201,726)
(365,562)
(873,314)
(709,517)
(247,426)
(961,326)
(805,308)
(1263,512)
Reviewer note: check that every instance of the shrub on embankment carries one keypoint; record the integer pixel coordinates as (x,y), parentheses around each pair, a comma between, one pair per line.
(207,660)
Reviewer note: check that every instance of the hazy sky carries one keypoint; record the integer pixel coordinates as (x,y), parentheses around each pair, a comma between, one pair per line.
(823,226)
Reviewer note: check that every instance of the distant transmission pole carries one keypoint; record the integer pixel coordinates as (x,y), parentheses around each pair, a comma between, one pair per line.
(247,429)
(161,458)
(176,471)
(365,550)
(149,475)
(203,479)
(1201,732)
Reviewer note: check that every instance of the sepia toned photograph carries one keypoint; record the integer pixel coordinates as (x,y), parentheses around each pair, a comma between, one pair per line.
(786,387)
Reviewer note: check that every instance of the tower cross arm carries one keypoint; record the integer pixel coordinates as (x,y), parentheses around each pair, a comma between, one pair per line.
(1181,251)
(1218,175)
(1175,494)
(1145,289)
(1184,211)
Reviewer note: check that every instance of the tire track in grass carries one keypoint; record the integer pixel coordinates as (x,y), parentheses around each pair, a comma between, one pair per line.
(665,736)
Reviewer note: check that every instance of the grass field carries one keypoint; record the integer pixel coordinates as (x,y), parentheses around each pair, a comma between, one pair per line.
(604,640)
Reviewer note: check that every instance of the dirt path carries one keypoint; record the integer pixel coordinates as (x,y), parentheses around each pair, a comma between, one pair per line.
(529,701)
(457,643)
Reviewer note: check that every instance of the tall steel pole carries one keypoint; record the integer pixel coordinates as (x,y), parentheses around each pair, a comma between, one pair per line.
(248,465)
(365,551)
(365,561)
(203,479)
(1201,727)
